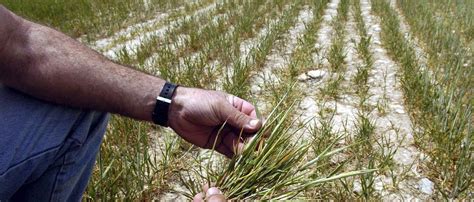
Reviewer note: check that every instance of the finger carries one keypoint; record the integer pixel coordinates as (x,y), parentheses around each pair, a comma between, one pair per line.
(217,198)
(267,132)
(205,187)
(248,109)
(243,106)
(199,197)
(233,142)
(245,135)
(212,191)
(216,139)
(239,120)
(214,194)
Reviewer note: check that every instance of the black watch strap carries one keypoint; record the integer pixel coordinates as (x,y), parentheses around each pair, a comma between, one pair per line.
(163,102)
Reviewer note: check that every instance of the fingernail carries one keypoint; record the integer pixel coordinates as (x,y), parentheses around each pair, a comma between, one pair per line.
(254,123)
(213,191)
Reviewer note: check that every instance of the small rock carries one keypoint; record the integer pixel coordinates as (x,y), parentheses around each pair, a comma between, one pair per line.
(399,111)
(302,77)
(255,89)
(426,186)
(316,74)
(379,50)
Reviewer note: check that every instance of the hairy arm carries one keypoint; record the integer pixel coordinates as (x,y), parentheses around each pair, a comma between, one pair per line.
(47,64)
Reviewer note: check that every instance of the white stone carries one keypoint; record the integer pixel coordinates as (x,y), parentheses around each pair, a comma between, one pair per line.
(302,77)
(255,89)
(426,186)
(379,50)
(316,74)
(399,111)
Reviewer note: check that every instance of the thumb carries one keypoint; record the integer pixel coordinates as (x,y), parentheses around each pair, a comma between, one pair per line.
(240,120)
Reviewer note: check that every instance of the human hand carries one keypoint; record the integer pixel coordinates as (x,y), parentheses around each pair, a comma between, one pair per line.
(197,116)
(210,194)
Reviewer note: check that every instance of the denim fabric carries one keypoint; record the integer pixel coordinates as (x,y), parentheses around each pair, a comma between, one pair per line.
(47,151)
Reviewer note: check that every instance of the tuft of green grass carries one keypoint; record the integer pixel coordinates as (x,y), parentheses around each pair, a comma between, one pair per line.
(118,162)
(273,165)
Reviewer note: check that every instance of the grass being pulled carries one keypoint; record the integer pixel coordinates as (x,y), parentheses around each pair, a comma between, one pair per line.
(273,165)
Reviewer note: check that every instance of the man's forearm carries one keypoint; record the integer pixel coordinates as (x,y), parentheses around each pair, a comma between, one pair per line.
(49,65)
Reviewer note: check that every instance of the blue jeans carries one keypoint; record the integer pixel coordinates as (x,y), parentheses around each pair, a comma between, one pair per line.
(47,151)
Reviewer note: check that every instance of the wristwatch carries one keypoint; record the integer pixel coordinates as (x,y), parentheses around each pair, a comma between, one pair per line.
(163,102)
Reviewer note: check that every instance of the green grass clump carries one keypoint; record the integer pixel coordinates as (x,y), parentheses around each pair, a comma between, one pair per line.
(122,158)
(273,165)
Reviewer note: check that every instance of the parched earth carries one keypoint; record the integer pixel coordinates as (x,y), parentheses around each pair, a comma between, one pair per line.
(392,124)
